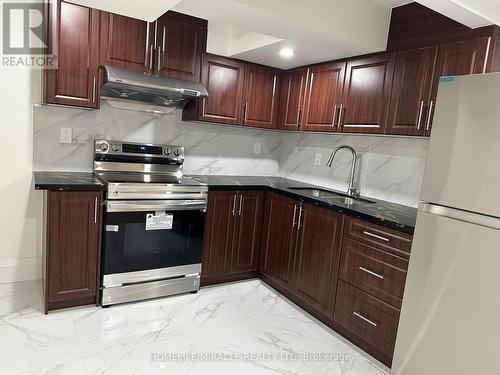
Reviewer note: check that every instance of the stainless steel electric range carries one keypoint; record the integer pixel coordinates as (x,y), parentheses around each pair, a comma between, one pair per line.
(153,223)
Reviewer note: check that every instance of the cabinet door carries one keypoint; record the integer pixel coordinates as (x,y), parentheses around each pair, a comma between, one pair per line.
(126,42)
(462,58)
(73,247)
(292,99)
(318,255)
(324,96)
(181,40)
(279,237)
(367,93)
(260,96)
(218,232)
(247,231)
(411,91)
(223,79)
(74,37)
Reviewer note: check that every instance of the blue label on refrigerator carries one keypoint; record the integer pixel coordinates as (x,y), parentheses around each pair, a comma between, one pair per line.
(447,79)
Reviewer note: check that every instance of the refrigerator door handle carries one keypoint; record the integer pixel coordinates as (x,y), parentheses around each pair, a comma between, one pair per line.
(465,216)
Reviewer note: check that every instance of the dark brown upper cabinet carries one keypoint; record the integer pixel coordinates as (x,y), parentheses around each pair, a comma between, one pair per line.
(411,91)
(73,36)
(324,97)
(367,93)
(317,256)
(455,59)
(292,96)
(127,42)
(260,96)
(71,258)
(180,42)
(278,238)
(223,79)
(232,235)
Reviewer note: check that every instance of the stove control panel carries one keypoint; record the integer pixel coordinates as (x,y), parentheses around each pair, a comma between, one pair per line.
(131,149)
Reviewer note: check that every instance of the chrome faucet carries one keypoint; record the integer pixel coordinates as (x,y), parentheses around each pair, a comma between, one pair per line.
(352,190)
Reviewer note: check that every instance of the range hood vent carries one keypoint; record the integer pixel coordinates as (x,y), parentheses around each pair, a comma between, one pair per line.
(153,90)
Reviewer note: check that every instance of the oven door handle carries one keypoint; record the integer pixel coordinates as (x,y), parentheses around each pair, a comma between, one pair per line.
(157,205)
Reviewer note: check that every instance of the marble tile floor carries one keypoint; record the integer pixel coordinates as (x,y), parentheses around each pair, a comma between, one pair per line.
(239,328)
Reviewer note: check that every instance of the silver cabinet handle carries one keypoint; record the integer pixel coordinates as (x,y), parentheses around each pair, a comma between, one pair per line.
(164,41)
(159,59)
(299,225)
(234,204)
(294,215)
(341,115)
(420,111)
(96,208)
(360,316)
(299,112)
(94,88)
(146,47)
(151,48)
(334,114)
(245,113)
(375,236)
(381,277)
(429,117)
(241,204)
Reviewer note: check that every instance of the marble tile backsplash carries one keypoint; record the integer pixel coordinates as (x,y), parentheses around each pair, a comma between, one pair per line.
(389,168)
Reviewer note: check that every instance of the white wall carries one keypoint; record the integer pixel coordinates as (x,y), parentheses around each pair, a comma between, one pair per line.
(20,209)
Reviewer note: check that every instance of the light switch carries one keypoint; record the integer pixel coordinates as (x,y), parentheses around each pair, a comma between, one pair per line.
(317,159)
(256,148)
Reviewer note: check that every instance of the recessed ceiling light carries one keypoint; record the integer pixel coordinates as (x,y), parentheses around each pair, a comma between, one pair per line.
(287,52)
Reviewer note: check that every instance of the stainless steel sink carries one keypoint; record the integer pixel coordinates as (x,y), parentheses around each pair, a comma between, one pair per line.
(329,196)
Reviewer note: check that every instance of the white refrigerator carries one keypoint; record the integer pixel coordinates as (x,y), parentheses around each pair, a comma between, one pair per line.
(450,318)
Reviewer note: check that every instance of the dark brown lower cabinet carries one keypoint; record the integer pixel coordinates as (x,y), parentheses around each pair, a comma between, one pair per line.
(232,236)
(72,252)
(317,256)
(301,250)
(348,273)
(375,321)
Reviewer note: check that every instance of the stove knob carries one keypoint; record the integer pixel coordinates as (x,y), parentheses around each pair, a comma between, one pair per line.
(167,151)
(103,147)
(177,152)
(115,148)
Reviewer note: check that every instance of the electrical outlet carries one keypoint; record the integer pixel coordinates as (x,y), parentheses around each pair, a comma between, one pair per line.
(66,135)
(256,148)
(317,159)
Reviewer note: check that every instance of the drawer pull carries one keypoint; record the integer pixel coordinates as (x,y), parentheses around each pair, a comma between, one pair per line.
(381,277)
(360,316)
(375,236)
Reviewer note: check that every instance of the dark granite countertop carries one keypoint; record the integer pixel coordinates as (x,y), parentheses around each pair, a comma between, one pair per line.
(56,181)
(380,212)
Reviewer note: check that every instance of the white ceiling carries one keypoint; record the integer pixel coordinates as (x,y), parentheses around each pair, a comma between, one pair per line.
(318,30)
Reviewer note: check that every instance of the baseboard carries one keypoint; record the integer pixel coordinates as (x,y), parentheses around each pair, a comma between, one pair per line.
(22,269)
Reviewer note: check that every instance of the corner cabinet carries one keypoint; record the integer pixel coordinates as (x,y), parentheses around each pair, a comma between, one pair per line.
(73,36)
(72,251)
(232,236)
(301,250)
(367,94)
(292,95)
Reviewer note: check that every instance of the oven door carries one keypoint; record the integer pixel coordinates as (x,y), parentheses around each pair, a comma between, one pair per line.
(152,240)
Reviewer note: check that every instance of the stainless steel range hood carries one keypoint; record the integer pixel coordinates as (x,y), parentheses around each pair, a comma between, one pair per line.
(148,90)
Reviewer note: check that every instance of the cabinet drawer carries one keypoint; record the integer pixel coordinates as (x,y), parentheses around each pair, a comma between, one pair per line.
(379,236)
(376,272)
(369,318)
